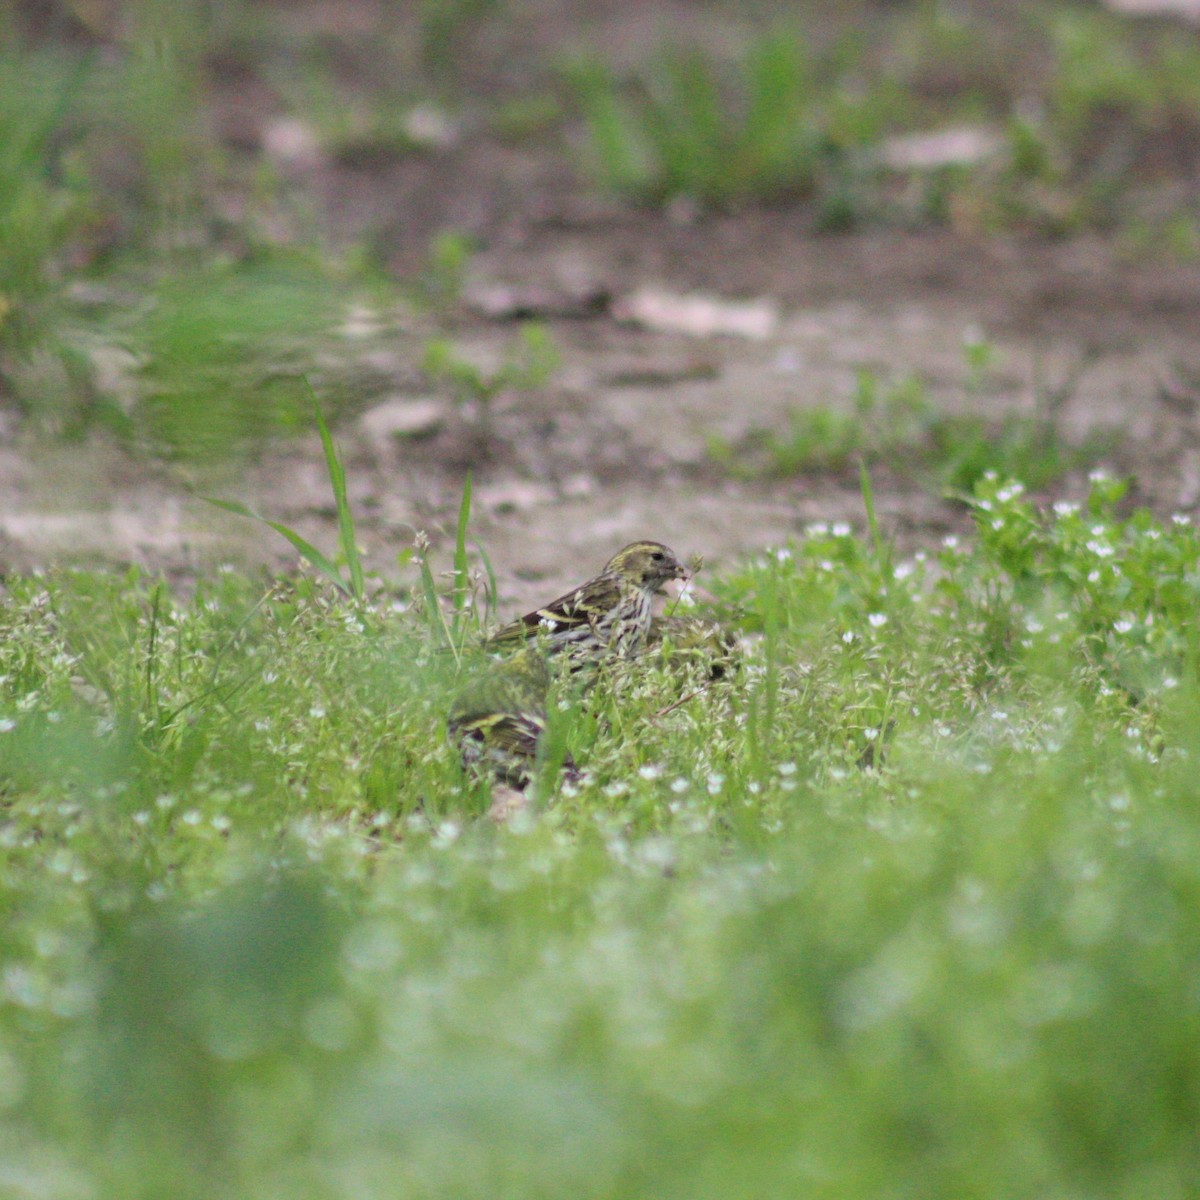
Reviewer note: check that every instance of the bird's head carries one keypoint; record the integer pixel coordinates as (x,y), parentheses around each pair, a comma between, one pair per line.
(646,564)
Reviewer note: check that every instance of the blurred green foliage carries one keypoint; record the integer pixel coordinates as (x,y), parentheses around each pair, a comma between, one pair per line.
(257,943)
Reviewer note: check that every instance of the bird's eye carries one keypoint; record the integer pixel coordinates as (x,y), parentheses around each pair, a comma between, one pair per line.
(657,556)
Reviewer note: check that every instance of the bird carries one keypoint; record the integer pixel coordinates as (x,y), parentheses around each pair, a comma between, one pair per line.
(498,721)
(608,616)
(695,639)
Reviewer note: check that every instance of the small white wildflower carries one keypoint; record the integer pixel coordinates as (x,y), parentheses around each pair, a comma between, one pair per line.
(1098,475)
(904,570)
(841,529)
(7,724)
(1033,625)
(1170,682)
(1180,519)
(786,768)
(848,636)
(191,817)
(141,818)
(715,782)
(783,554)
(446,834)
(950,541)
(985,505)
(317,711)
(650,771)
(1065,508)
(221,823)
(1122,626)
(876,619)
(679,785)
(270,676)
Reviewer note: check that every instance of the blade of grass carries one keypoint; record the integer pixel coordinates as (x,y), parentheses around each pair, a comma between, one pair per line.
(882,554)
(437,618)
(306,549)
(461,577)
(492,590)
(337,478)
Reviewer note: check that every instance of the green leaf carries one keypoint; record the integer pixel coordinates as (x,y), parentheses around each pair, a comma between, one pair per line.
(306,549)
(337,477)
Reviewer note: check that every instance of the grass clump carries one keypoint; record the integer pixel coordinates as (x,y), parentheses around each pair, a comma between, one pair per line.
(257,938)
(899,426)
(766,128)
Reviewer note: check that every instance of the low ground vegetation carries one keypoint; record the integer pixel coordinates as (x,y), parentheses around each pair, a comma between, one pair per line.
(904,905)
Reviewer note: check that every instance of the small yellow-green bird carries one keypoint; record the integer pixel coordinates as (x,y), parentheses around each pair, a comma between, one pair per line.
(498,720)
(696,639)
(609,614)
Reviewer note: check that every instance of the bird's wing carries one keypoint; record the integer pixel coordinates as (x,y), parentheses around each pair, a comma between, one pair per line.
(581,606)
(505,733)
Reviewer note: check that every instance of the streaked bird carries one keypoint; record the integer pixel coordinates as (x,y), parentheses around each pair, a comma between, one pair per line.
(695,639)
(498,721)
(608,615)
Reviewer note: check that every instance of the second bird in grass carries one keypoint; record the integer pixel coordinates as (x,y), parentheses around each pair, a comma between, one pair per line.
(606,616)
(498,721)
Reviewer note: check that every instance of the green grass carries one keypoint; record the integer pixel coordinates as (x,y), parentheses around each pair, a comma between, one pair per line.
(766,127)
(259,941)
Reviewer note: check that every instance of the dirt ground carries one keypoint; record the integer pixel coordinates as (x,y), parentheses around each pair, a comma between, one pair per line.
(615,446)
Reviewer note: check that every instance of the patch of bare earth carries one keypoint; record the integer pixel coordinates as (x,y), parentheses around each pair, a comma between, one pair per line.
(615,447)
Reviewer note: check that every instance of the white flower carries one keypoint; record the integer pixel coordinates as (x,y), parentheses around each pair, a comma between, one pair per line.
(876,619)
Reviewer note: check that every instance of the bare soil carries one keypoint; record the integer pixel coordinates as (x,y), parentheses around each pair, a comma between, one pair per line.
(615,447)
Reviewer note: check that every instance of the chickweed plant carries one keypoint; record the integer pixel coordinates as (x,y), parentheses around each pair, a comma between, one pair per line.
(259,939)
